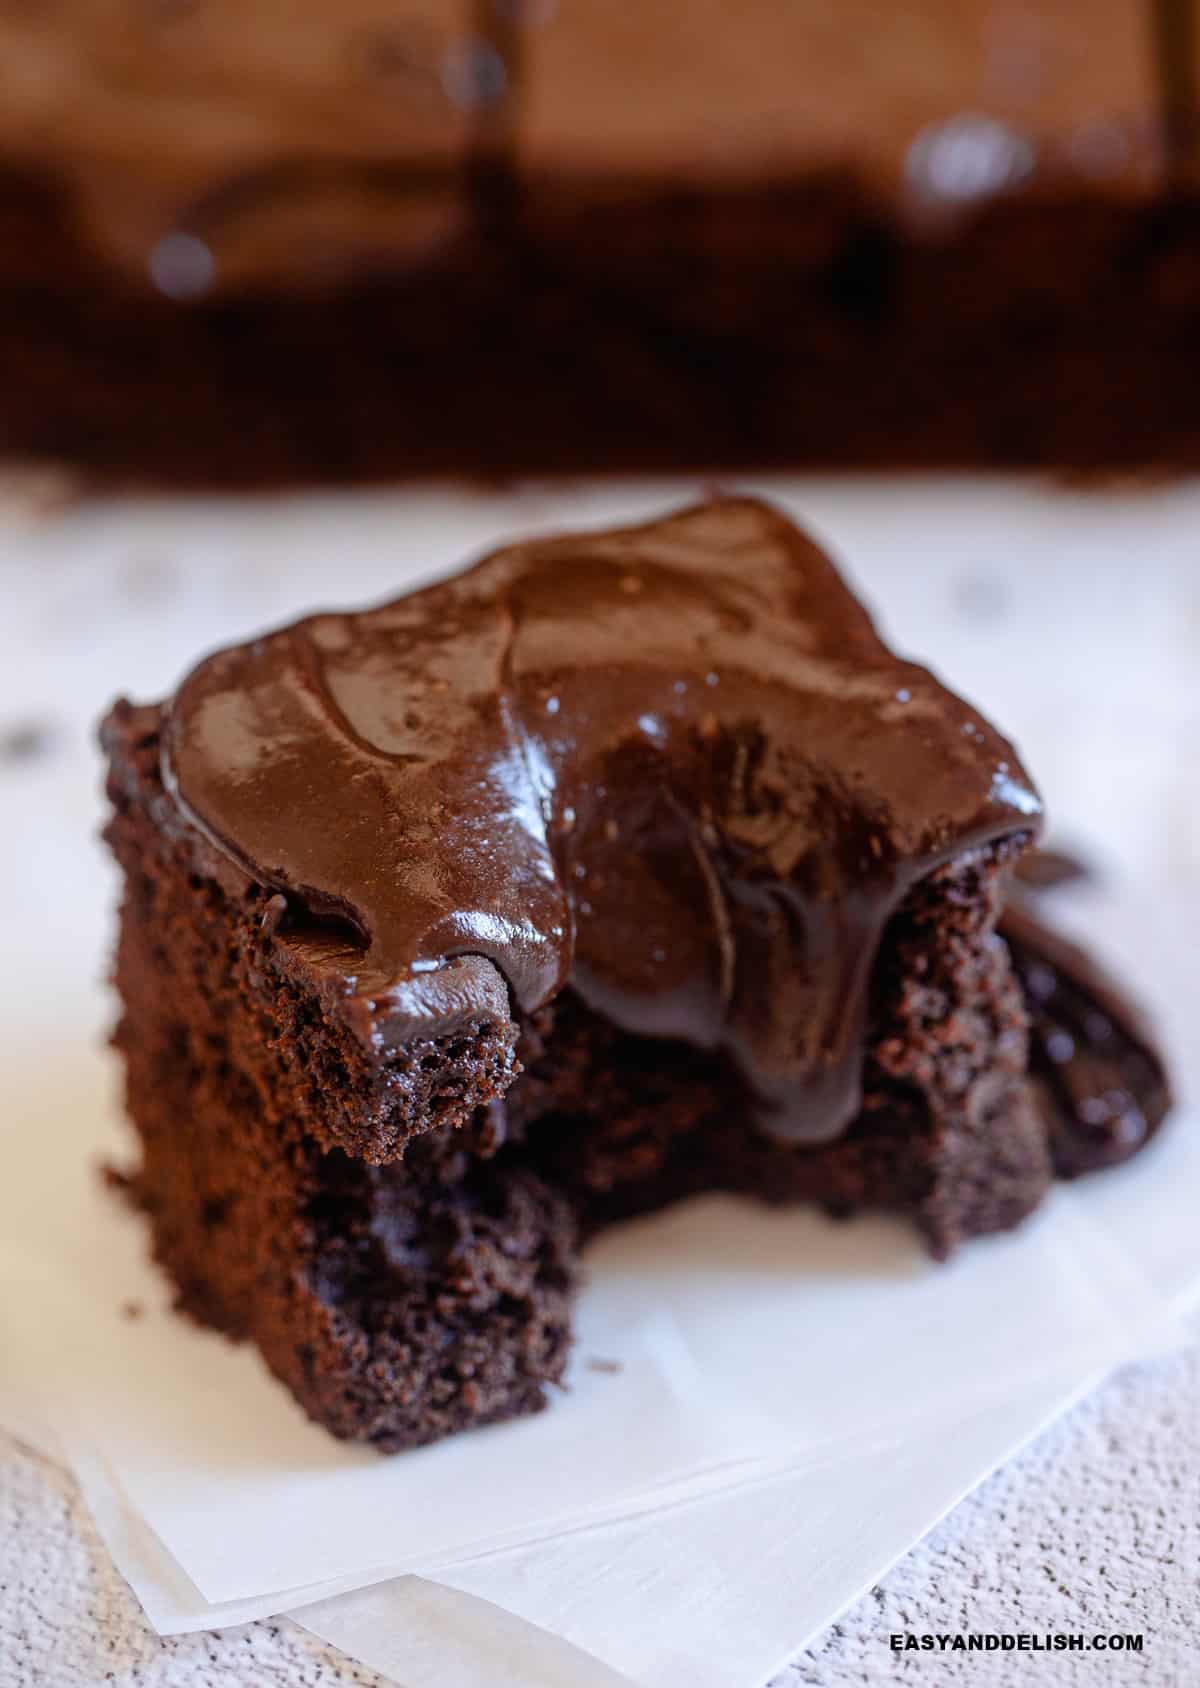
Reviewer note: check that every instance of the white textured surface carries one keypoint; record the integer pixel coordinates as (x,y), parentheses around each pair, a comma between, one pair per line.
(1095,1528)
(1098,1526)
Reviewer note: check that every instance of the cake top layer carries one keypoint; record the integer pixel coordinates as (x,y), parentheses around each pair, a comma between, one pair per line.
(672,766)
(942,100)
(267,143)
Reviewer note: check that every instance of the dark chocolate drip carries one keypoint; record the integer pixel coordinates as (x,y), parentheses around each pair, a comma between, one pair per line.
(1046,870)
(672,765)
(1175,45)
(500,25)
(1100,1080)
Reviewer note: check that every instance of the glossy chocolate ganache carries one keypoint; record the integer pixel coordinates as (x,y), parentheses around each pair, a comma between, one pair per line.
(672,767)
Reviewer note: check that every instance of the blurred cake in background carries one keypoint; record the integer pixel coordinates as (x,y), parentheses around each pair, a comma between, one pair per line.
(262,242)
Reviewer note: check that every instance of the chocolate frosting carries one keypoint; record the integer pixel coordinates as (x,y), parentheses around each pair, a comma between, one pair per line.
(213,145)
(673,767)
(1098,1075)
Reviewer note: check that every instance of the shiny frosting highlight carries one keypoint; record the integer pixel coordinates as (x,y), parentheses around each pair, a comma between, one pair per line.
(671,767)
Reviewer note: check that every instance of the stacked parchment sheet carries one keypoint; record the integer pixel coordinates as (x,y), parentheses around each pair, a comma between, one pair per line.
(763,1408)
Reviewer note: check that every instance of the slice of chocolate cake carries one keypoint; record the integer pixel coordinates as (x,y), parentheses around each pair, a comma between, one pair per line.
(620,866)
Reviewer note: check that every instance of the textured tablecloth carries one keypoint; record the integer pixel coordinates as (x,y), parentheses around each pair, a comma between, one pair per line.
(1095,1528)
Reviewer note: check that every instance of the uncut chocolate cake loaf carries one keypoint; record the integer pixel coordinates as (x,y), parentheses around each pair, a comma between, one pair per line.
(346,242)
(619,867)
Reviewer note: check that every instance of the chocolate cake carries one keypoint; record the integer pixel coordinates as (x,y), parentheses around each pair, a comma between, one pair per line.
(244,244)
(619,867)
